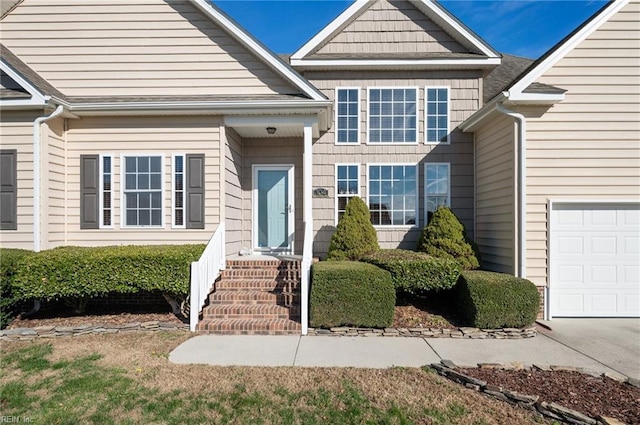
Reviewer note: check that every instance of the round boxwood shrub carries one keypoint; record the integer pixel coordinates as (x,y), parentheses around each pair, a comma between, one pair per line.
(444,237)
(355,236)
(350,293)
(496,300)
(416,273)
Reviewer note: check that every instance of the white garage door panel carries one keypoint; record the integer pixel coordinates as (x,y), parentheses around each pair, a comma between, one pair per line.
(595,260)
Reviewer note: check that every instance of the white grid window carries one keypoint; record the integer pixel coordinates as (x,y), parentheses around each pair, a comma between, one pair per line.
(143,190)
(347,186)
(437,115)
(178,191)
(106,191)
(393,115)
(393,194)
(437,187)
(347,115)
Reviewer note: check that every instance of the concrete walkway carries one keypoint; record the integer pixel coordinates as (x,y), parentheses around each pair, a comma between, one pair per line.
(548,348)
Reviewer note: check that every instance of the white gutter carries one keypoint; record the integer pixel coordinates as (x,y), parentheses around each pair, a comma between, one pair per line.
(36,174)
(522,188)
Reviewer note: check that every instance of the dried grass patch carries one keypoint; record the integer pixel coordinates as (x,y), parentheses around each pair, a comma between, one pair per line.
(270,395)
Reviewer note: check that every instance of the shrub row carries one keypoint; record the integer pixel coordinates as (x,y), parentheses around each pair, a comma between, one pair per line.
(347,293)
(9,259)
(83,273)
(416,273)
(495,300)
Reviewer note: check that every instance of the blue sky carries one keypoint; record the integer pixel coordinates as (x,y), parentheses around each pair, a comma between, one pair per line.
(520,27)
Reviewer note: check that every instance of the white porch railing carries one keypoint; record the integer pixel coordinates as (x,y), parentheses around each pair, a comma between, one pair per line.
(204,273)
(305,275)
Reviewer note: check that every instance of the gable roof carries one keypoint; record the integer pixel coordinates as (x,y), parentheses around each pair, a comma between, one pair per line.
(526,81)
(523,87)
(250,42)
(476,52)
(307,96)
(22,86)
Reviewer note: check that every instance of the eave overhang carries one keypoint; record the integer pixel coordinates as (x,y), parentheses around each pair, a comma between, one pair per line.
(394,64)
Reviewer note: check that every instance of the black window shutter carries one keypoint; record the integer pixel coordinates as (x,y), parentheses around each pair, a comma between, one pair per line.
(8,189)
(89,187)
(195,191)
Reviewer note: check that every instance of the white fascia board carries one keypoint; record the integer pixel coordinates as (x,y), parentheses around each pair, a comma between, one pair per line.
(613,8)
(453,25)
(37,98)
(534,98)
(270,58)
(330,30)
(395,63)
(261,121)
(300,106)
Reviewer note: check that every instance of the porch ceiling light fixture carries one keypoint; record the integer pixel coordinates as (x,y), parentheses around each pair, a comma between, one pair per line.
(271,130)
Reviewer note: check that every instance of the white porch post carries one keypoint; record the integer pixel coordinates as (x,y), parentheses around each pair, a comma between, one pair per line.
(307,199)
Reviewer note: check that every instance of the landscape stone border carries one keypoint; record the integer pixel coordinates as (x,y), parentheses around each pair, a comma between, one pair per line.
(554,411)
(22,334)
(464,332)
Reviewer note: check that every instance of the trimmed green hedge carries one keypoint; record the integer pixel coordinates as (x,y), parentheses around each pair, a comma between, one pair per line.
(349,293)
(83,273)
(9,260)
(491,300)
(416,272)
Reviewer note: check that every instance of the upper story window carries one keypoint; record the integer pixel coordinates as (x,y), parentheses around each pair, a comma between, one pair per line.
(393,194)
(347,115)
(437,114)
(347,186)
(437,187)
(393,115)
(143,190)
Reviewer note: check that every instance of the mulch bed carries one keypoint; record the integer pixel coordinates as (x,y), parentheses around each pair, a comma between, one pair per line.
(424,312)
(61,315)
(587,394)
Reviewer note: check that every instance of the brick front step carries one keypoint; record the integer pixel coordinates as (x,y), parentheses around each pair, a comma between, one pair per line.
(255,285)
(253,297)
(250,327)
(251,311)
(260,274)
(263,264)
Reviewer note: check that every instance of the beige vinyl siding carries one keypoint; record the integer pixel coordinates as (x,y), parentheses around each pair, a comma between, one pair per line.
(142,136)
(134,47)
(272,151)
(586,147)
(233,193)
(54,184)
(495,229)
(464,100)
(16,132)
(391,28)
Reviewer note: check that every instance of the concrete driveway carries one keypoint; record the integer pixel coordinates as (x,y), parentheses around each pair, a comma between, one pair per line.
(614,343)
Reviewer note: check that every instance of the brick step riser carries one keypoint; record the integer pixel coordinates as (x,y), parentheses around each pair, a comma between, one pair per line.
(256,285)
(240,311)
(272,264)
(258,274)
(285,316)
(226,298)
(249,327)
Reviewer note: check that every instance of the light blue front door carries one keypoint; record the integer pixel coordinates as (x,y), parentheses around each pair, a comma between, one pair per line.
(273,206)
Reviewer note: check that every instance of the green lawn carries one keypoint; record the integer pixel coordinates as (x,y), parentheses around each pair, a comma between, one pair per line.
(126,379)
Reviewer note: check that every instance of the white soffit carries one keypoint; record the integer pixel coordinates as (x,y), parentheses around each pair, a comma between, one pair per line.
(37,98)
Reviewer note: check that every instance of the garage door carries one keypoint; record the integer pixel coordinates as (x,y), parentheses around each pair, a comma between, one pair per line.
(595,260)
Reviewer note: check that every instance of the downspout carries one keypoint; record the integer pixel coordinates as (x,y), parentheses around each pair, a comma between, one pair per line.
(522,188)
(37,168)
